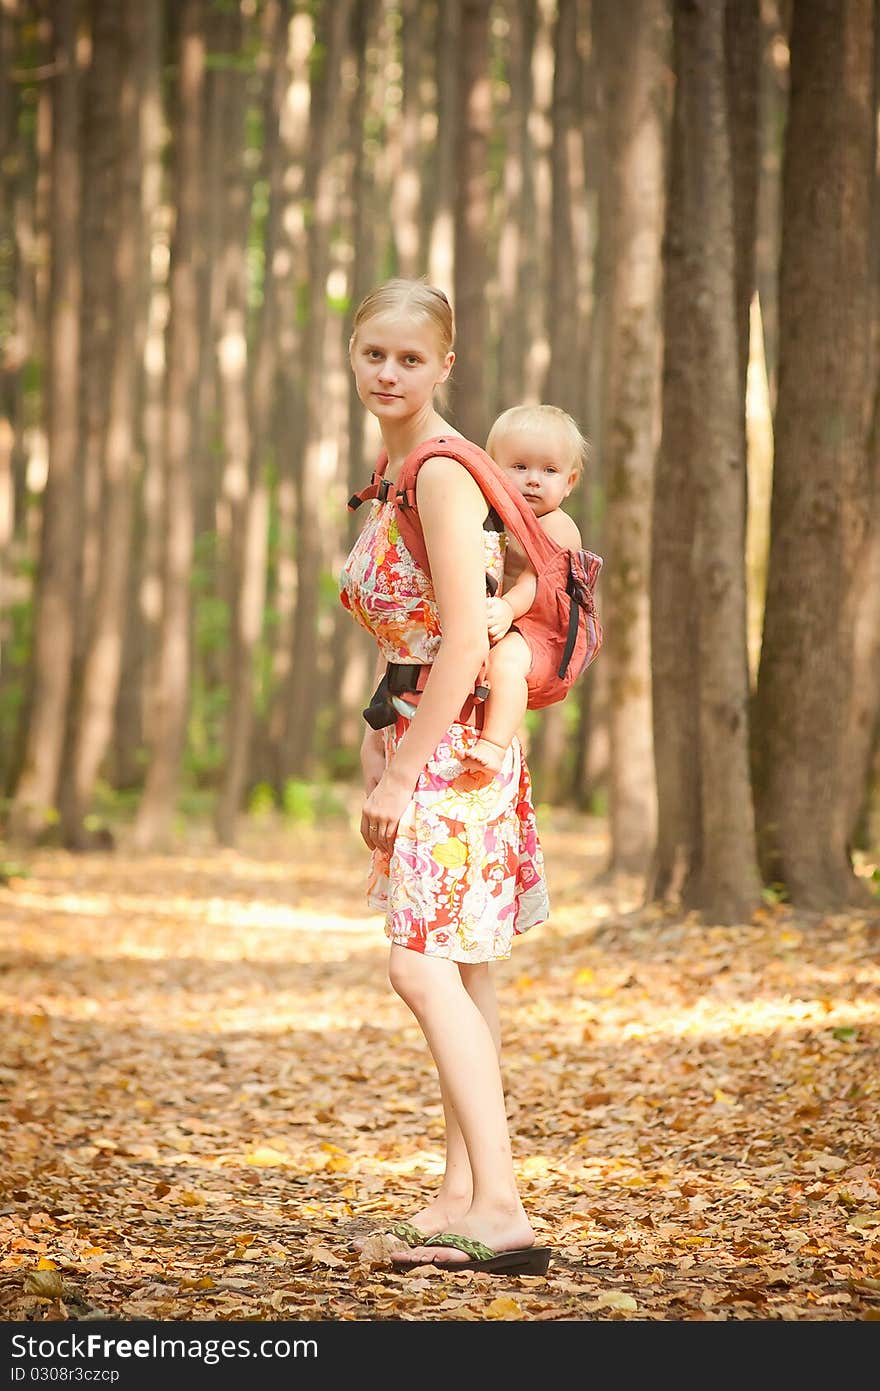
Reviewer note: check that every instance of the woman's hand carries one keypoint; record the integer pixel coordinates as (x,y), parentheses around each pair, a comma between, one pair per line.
(499,615)
(372,759)
(383,809)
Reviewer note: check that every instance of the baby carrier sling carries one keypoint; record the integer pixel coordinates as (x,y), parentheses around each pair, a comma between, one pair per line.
(561,627)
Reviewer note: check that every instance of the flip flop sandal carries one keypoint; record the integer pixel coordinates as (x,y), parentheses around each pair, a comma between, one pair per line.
(406,1232)
(525,1260)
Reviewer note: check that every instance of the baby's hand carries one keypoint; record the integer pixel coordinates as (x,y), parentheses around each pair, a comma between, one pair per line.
(500,616)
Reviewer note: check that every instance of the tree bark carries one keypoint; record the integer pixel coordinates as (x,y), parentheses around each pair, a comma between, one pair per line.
(472,223)
(441,251)
(103,657)
(820,477)
(35,796)
(250,534)
(516,249)
(137,684)
(406,190)
(167,742)
(298,744)
(675,672)
(633,61)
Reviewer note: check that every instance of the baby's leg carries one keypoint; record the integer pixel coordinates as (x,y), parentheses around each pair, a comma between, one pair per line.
(505,707)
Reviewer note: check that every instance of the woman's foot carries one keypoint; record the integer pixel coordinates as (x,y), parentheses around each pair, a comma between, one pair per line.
(437,1216)
(483,762)
(500,1229)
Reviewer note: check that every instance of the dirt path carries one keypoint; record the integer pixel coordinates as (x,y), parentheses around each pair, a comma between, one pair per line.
(207,1088)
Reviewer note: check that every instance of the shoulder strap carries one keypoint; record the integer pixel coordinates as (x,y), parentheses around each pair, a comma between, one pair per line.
(496,488)
(372,488)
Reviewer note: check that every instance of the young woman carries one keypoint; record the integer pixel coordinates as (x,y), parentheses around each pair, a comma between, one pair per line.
(458,871)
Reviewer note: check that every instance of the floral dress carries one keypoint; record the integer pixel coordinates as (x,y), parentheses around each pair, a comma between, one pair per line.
(466,873)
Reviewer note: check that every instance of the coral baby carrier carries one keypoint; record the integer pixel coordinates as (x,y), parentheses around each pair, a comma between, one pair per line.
(561,628)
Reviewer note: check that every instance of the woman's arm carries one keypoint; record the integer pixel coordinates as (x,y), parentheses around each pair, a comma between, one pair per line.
(452,511)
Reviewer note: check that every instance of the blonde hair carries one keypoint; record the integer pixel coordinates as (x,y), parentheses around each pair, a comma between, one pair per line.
(535,420)
(410,297)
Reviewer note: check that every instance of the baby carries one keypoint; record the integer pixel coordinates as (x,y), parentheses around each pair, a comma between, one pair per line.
(542,451)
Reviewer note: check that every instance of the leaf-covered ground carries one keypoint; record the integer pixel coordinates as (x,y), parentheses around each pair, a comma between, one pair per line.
(208,1089)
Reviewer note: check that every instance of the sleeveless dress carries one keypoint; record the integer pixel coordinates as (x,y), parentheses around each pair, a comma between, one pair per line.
(466,873)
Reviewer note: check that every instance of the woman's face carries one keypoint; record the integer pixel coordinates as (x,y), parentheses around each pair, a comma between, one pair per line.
(397,363)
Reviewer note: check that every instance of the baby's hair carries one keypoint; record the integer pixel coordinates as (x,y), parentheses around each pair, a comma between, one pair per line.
(414,297)
(542,419)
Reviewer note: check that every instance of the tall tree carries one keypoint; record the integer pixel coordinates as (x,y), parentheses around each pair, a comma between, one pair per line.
(36,792)
(301,704)
(820,476)
(173,669)
(517,263)
(472,222)
(141,626)
(103,657)
(441,249)
(712,823)
(632,58)
(250,519)
(407,185)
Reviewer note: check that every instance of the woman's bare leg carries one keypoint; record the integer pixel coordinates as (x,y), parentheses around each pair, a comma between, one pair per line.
(505,708)
(465,1054)
(453,1198)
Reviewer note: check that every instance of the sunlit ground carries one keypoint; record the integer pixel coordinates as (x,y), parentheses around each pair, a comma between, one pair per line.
(210,1087)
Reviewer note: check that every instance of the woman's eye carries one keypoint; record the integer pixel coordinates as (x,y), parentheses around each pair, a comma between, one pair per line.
(412,361)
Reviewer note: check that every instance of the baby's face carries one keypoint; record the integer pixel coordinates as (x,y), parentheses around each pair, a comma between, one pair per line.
(536,464)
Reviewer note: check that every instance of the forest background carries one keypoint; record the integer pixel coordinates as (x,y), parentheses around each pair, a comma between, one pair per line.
(661,217)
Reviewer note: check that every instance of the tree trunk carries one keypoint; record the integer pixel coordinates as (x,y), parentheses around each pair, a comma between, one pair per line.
(773,104)
(298,747)
(472,222)
(290,413)
(675,673)
(35,795)
(633,61)
(728,889)
(167,743)
(103,657)
(820,477)
(406,189)
(353,665)
(251,518)
(441,252)
(516,249)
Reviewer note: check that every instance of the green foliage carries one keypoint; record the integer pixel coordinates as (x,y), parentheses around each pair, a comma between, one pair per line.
(262,800)
(845,1034)
(774,893)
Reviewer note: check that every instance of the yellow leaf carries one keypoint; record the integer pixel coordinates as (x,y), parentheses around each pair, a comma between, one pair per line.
(45,1264)
(584,976)
(504,1308)
(330,1149)
(204,1283)
(265,1157)
(724,1098)
(46,1283)
(614,1299)
(338,1164)
(190,1199)
(350,1190)
(523,983)
(323,1256)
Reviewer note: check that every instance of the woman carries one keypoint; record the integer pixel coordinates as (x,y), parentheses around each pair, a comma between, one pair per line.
(458,870)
